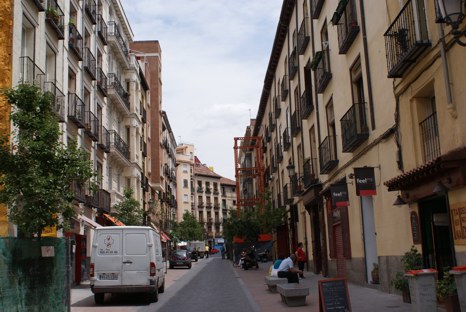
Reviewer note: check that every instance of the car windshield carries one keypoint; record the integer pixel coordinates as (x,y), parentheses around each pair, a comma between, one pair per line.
(180,253)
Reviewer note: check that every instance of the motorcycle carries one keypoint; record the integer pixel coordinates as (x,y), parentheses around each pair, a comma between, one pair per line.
(248,259)
(263,256)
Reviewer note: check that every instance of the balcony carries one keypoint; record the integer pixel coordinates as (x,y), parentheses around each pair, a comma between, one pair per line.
(354,129)
(58,100)
(303,36)
(143,115)
(79,191)
(31,73)
(273,164)
(272,122)
(277,107)
(144,149)
(216,206)
(92,126)
(144,182)
(90,8)
(287,198)
(306,104)
(200,205)
(430,137)
(320,65)
(117,42)
(200,189)
(104,140)
(40,4)
(75,42)
(101,81)
(347,24)
(295,124)
(102,29)
(89,63)
(406,39)
(284,87)
(279,152)
(316,7)
(268,136)
(208,205)
(55,18)
(117,93)
(104,201)
(118,147)
(286,139)
(310,172)
(92,199)
(293,64)
(208,190)
(296,185)
(328,155)
(76,109)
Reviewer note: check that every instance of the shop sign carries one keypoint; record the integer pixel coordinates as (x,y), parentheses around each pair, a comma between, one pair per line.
(339,193)
(458,222)
(365,181)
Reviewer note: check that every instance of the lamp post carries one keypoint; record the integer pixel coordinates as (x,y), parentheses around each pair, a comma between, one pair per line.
(451,12)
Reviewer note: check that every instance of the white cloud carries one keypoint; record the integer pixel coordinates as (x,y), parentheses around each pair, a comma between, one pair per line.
(214,57)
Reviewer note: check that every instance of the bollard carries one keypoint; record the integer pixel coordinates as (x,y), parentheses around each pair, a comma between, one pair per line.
(422,289)
(460,279)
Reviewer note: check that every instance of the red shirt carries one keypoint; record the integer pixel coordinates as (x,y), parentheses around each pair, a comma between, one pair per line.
(300,255)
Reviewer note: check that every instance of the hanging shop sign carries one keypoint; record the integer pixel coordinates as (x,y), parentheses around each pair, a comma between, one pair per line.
(365,181)
(339,193)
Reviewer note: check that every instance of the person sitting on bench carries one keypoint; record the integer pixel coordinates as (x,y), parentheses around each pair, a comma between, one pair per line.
(287,269)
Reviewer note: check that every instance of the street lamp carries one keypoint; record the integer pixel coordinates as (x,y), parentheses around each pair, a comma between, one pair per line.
(451,12)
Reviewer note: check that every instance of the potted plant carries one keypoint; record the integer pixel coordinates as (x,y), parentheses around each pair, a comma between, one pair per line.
(411,260)
(446,291)
(375,273)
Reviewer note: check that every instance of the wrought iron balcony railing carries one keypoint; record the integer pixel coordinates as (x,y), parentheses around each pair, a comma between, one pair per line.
(284,87)
(354,129)
(89,63)
(321,66)
(347,24)
(272,122)
(56,18)
(303,35)
(286,139)
(279,152)
(143,115)
(79,191)
(406,38)
(92,126)
(31,73)
(58,100)
(293,63)
(295,123)
(316,7)
(119,144)
(40,4)
(287,198)
(430,137)
(310,172)
(104,140)
(115,85)
(306,104)
(328,155)
(102,29)
(101,81)
(75,42)
(76,109)
(104,200)
(115,33)
(90,7)
(277,107)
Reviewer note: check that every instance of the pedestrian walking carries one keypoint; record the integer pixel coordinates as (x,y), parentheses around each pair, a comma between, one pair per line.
(207,249)
(301,258)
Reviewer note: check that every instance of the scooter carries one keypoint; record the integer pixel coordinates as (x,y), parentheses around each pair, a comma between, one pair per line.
(248,259)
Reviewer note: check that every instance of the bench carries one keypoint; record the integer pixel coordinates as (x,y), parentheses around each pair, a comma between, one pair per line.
(293,295)
(272,282)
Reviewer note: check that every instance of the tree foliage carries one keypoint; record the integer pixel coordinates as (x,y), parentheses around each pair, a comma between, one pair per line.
(129,210)
(189,229)
(37,169)
(252,222)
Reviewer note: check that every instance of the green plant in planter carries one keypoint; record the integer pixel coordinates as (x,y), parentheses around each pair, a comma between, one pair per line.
(446,286)
(411,260)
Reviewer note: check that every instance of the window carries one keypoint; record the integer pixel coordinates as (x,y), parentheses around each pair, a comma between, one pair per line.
(185,168)
(185,198)
(185,183)
(428,128)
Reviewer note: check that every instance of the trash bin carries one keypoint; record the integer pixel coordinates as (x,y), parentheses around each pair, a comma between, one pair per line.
(460,279)
(422,289)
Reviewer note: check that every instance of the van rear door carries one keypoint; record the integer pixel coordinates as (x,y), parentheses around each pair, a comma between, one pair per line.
(108,257)
(136,257)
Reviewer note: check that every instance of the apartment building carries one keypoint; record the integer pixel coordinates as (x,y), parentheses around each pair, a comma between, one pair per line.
(185,179)
(79,52)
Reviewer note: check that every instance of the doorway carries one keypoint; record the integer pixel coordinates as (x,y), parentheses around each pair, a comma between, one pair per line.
(370,242)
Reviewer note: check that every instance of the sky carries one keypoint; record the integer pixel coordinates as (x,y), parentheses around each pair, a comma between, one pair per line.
(214,59)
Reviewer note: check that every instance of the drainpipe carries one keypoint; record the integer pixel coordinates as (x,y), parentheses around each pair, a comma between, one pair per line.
(451,107)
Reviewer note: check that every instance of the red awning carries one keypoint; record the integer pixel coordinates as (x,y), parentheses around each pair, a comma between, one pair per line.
(113,220)
(164,237)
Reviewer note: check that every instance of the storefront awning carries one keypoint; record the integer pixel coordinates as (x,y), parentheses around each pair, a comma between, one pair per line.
(89,221)
(113,220)
(164,237)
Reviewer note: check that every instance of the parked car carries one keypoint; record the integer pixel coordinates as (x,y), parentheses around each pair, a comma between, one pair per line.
(180,257)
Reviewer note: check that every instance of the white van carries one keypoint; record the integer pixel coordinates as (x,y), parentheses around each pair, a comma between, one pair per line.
(126,259)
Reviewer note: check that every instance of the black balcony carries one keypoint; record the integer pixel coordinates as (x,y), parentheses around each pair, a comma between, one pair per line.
(104,201)
(90,8)
(321,66)
(89,63)
(286,139)
(295,123)
(328,155)
(143,115)
(79,191)
(200,189)
(104,140)
(144,149)
(75,42)
(279,152)
(306,104)
(92,199)
(268,137)
(430,137)
(76,109)
(293,63)
(92,126)
(277,107)
(406,39)
(272,122)
(31,73)
(115,38)
(284,87)
(303,36)
(296,185)
(117,90)
(58,100)
(310,172)
(354,129)
(316,7)
(347,24)
(55,18)
(119,144)
(287,198)
(101,81)
(102,29)
(273,163)
(40,4)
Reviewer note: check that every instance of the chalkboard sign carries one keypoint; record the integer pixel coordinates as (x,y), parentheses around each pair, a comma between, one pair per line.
(333,295)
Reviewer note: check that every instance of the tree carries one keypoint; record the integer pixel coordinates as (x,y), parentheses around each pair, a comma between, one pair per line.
(263,219)
(188,229)
(129,209)
(37,169)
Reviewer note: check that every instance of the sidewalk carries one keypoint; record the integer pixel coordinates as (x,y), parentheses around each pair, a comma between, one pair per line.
(362,299)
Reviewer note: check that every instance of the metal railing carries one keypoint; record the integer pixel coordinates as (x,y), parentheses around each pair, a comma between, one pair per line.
(284,87)
(104,139)
(114,31)
(119,144)
(75,41)
(101,81)
(58,100)
(92,125)
(354,129)
(295,123)
(90,7)
(328,154)
(114,83)
(286,139)
(303,35)
(430,137)
(348,27)
(310,172)
(31,73)
(76,108)
(306,104)
(56,18)
(323,74)
(102,29)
